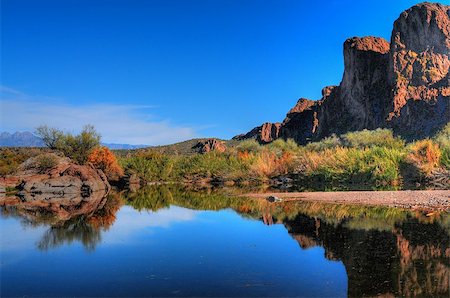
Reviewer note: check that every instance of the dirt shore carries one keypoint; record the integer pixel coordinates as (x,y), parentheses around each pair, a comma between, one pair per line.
(417,199)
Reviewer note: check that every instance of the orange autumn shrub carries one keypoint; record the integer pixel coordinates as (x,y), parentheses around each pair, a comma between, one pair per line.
(267,164)
(425,154)
(102,158)
(244,155)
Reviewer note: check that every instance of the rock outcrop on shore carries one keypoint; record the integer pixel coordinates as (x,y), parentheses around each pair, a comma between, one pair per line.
(50,177)
(403,85)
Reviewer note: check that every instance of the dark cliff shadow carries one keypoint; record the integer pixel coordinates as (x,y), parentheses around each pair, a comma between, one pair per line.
(410,259)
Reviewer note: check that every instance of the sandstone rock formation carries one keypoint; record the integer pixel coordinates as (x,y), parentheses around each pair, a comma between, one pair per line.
(403,85)
(209,145)
(264,134)
(63,179)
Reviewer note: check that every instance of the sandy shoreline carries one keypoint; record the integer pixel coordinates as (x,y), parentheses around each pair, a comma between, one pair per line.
(416,199)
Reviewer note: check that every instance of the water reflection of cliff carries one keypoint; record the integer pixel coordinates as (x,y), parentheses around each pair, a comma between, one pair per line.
(409,260)
(69,219)
(386,251)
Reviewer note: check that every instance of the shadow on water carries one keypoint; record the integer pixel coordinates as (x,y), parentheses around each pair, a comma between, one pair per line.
(386,251)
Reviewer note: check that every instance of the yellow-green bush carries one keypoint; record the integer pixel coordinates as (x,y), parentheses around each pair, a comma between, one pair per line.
(370,138)
(376,166)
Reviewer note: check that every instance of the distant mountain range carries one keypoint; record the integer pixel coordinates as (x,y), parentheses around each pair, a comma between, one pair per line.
(28,139)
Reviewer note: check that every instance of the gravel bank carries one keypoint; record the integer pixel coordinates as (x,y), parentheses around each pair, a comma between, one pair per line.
(417,199)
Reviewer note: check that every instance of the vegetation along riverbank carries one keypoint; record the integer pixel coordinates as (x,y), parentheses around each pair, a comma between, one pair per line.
(364,160)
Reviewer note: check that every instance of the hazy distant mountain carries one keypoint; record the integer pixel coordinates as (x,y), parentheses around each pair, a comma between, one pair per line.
(123,146)
(28,139)
(20,139)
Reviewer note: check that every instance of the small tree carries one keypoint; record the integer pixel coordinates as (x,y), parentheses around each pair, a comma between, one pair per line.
(51,136)
(76,147)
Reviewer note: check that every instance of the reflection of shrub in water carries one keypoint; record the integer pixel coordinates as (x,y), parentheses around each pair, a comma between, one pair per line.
(353,216)
(104,217)
(162,196)
(84,228)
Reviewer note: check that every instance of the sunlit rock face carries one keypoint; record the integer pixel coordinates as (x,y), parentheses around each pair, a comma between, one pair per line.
(419,70)
(209,145)
(301,121)
(60,178)
(361,99)
(264,134)
(403,85)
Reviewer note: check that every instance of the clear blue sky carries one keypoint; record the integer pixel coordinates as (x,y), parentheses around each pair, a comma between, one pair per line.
(160,71)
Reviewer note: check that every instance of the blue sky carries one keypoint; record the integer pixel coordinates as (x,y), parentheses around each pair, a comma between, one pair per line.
(160,71)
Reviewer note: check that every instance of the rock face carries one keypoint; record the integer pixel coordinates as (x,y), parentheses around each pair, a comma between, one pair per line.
(65,179)
(264,134)
(403,85)
(419,69)
(209,145)
(301,121)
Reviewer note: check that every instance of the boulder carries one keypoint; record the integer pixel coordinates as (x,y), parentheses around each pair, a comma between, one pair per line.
(209,145)
(63,179)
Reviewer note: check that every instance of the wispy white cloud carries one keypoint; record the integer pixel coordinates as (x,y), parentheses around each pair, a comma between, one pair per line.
(129,222)
(117,123)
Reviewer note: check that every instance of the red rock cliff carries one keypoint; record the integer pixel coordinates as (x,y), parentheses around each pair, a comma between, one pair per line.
(403,85)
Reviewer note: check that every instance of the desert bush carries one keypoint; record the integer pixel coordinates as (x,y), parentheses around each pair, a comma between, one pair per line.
(45,162)
(10,158)
(327,143)
(102,158)
(267,164)
(51,137)
(212,165)
(445,157)
(150,165)
(377,165)
(425,155)
(280,146)
(443,139)
(77,147)
(249,146)
(370,138)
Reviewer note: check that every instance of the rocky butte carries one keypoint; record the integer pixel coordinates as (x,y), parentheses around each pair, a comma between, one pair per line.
(403,85)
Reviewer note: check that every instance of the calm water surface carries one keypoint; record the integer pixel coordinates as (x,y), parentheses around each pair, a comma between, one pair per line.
(172,242)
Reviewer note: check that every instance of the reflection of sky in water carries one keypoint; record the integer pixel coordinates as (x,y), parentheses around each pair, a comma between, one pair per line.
(174,251)
(130,222)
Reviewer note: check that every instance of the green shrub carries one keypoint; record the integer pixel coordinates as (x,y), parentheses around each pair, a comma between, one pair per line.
(281,146)
(212,165)
(45,161)
(445,157)
(370,138)
(76,147)
(150,166)
(327,143)
(11,158)
(376,166)
(249,146)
